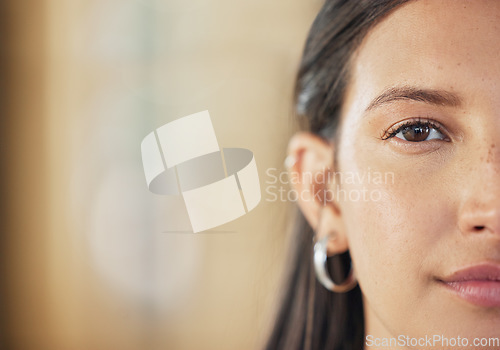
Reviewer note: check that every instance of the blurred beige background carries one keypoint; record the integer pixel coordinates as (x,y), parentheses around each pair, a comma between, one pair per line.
(86,261)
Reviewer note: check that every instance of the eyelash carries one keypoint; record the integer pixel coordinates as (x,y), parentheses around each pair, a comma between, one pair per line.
(393,131)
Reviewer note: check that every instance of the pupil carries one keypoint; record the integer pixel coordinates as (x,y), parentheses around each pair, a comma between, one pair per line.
(416,133)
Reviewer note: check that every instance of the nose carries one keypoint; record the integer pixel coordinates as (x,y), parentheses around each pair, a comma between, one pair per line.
(481,217)
(480,211)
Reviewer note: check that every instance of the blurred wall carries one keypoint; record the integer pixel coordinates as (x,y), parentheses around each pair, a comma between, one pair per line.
(93,260)
(24,226)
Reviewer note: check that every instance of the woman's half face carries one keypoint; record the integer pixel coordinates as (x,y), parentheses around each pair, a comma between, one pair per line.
(419,153)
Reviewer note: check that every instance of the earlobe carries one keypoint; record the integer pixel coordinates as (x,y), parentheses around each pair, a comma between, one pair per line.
(331,225)
(310,165)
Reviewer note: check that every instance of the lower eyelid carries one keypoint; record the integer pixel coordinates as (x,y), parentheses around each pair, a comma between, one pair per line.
(418,148)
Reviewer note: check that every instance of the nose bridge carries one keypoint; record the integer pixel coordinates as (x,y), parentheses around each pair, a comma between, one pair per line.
(480,210)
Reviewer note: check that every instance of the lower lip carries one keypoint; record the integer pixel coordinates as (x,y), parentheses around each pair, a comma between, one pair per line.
(479,292)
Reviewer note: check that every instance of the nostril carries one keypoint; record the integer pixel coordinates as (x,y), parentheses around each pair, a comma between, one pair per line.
(478,228)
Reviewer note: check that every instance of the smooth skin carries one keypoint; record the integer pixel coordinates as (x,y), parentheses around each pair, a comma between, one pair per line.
(435,68)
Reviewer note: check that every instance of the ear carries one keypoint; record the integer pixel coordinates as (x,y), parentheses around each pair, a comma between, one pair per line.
(310,166)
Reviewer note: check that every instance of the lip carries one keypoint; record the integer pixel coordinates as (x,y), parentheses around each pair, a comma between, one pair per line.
(477,284)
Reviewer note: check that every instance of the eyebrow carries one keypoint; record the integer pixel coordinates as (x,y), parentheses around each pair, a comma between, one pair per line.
(435,97)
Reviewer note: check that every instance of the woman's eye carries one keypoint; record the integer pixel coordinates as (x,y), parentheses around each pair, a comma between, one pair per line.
(418,133)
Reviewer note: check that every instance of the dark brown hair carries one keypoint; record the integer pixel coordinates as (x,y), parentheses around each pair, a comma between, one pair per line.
(310,316)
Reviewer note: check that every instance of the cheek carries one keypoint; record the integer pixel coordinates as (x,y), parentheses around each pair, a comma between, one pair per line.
(396,233)
(395,238)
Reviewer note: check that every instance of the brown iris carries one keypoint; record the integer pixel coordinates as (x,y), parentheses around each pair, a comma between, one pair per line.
(416,133)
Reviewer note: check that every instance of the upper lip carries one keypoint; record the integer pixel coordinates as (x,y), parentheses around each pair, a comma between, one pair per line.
(479,272)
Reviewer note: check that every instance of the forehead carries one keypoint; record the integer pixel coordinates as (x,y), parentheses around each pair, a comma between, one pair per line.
(449,44)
